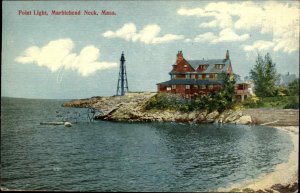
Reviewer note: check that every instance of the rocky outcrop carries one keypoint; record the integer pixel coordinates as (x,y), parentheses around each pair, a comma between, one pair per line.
(131,108)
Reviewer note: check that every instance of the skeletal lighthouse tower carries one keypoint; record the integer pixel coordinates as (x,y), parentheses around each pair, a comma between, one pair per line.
(122,81)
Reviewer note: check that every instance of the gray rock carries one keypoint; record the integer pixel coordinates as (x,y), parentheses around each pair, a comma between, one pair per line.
(213,115)
(244,120)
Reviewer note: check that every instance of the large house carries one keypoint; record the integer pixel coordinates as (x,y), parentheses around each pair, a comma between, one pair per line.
(191,78)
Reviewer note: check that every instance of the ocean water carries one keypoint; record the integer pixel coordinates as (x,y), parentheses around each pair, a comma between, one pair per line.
(120,156)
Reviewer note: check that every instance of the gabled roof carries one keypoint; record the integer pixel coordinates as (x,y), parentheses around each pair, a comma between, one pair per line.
(196,63)
(186,62)
(211,65)
(189,82)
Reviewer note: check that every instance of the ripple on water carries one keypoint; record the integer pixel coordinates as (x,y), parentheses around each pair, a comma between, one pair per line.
(109,156)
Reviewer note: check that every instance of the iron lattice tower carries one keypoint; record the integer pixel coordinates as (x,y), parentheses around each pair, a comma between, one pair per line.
(122,81)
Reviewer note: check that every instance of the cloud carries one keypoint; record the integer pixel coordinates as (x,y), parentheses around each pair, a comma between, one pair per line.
(57,54)
(213,23)
(259,46)
(148,35)
(191,12)
(187,40)
(226,35)
(206,37)
(278,19)
(221,20)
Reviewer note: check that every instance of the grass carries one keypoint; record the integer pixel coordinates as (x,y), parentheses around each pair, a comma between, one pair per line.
(280,102)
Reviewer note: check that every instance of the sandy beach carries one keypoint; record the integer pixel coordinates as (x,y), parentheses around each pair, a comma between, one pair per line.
(285,174)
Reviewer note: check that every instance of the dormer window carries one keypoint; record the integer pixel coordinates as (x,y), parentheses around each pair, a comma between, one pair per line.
(202,67)
(219,66)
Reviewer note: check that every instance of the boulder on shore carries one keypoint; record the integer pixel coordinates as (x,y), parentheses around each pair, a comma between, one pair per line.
(244,120)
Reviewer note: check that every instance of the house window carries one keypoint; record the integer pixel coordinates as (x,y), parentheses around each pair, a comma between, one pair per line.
(203,76)
(195,86)
(210,87)
(203,87)
(180,76)
(185,66)
(219,66)
(173,86)
(187,86)
(187,76)
(211,76)
(168,88)
(202,67)
(193,76)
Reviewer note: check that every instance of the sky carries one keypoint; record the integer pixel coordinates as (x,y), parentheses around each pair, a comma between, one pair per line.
(78,56)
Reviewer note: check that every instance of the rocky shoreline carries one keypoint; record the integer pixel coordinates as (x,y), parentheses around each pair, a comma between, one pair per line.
(131,108)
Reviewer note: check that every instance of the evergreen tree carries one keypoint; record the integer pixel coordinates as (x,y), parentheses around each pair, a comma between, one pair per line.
(265,76)
(227,93)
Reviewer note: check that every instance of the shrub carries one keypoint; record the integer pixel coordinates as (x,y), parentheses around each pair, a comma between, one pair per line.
(212,102)
(252,102)
(293,88)
(293,103)
(165,101)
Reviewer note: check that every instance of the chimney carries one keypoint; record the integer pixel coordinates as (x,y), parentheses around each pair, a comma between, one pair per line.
(179,57)
(227,55)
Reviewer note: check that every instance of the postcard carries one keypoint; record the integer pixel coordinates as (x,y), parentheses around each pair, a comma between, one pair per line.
(169,96)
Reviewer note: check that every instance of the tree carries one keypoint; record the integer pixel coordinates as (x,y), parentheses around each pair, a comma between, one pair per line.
(293,87)
(264,75)
(226,95)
